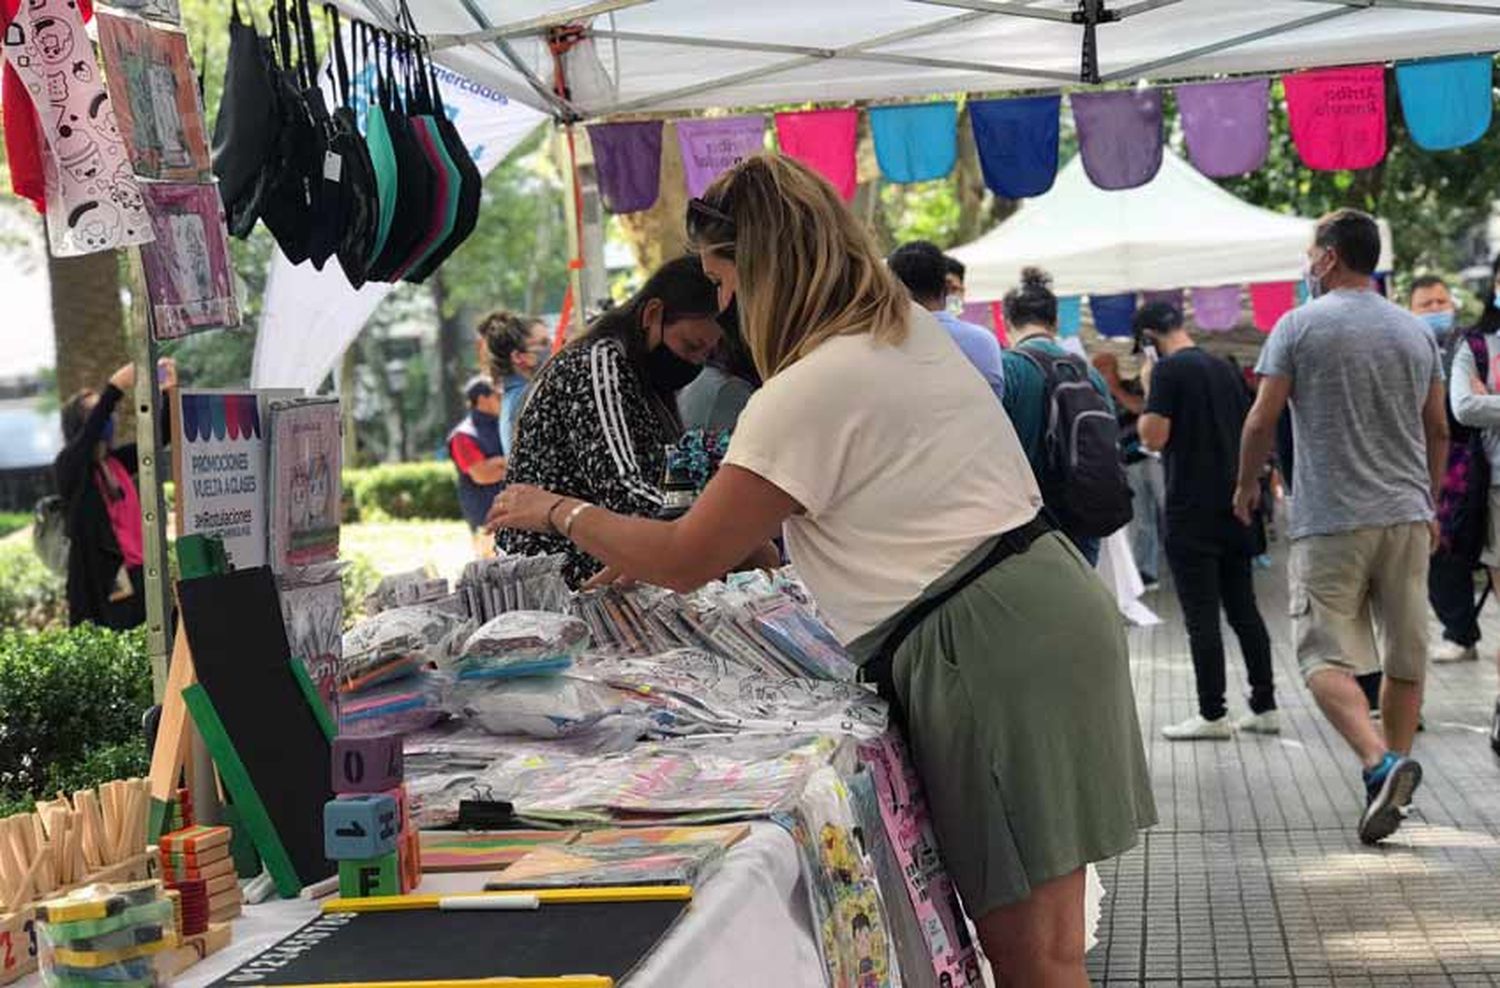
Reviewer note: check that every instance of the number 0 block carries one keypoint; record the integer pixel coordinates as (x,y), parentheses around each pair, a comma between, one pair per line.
(366,764)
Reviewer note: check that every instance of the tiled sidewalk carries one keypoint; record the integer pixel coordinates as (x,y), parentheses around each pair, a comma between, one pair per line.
(1255,875)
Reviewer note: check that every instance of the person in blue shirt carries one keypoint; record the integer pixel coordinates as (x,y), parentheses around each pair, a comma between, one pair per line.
(923,269)
(1031,316)
(516,347)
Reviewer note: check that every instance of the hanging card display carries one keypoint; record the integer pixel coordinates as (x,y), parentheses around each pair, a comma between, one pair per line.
(152,82)
(189,274)
(1337,116)
(306,457)
(93,202)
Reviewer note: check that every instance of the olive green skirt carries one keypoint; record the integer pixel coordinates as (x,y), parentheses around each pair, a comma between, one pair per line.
(1022,722)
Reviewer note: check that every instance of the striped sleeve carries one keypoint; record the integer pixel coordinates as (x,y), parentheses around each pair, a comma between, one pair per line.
(617,402)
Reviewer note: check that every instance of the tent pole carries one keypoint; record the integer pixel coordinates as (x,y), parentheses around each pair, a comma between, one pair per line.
(567,147)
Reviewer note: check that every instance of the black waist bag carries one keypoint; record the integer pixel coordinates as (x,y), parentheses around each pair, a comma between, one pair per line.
(247,127)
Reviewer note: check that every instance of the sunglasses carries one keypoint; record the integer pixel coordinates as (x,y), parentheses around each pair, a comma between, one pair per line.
(701,214)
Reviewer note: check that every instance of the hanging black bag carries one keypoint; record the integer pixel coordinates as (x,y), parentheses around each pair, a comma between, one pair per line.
(247,127)
(288,210)
(361,198)
(415,181)
(469,189)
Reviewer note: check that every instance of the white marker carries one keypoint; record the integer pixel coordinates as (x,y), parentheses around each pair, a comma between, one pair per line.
(468,903)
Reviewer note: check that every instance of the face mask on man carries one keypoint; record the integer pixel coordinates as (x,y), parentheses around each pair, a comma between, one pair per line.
(1311,283)
(669,372)
(954,303)
(1441,323)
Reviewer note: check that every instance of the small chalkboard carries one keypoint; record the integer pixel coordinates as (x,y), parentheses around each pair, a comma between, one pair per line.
(607,939)
(244,666)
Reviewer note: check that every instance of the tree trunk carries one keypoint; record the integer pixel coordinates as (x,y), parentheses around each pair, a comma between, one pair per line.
(448,361)
(88,323)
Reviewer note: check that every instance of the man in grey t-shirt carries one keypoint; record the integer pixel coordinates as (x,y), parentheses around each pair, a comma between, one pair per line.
(1364,381)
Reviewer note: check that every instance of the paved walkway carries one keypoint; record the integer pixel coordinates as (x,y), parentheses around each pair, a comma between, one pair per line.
(1255,875)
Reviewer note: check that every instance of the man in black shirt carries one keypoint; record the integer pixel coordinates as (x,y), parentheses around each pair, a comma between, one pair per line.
(1195,410)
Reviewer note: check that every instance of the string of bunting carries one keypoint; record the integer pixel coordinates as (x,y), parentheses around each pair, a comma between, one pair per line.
(1337,118)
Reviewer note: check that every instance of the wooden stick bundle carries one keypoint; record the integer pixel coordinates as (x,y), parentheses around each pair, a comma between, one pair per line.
(65,841)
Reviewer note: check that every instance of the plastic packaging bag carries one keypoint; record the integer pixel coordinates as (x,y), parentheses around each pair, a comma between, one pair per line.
(401,707)
(542,707)
(106,934)
(522,643)
(423,631)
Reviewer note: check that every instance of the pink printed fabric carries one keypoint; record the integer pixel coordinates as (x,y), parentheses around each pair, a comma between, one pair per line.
(1216,309)
(1338,116)
(1270,301)
(823,140)
(711,147)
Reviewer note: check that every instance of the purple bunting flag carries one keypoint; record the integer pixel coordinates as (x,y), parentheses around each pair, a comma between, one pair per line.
(711,147)
(1226,125)
(1217,308)
(1119,136)
(627,157)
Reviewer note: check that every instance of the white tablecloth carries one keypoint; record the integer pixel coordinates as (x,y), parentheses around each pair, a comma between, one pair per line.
(749,925)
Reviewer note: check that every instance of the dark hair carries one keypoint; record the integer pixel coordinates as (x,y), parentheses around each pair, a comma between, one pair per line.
(1422,281)
(505,334)
(1352,235)
(75,413)
(860,922)
(1159,317)
(1489,319)
(1033,302)
(921,267)
(954,267)
(685,293)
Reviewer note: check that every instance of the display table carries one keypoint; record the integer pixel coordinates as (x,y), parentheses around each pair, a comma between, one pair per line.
(749,925)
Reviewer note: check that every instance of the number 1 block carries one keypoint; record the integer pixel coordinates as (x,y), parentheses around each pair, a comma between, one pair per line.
(366,763)
(359,827)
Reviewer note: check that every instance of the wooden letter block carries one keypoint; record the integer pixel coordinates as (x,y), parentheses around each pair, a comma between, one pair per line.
(366,764)
(359,827)
(370,876)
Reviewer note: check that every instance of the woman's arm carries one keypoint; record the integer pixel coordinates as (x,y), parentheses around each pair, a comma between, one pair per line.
(1473,405)
(74,460)
(737,514)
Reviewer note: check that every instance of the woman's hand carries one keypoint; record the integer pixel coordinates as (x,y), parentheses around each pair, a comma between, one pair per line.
(166,373)
(525,508)
(609,577)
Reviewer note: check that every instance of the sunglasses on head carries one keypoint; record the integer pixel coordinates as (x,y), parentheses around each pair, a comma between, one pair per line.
(701,214)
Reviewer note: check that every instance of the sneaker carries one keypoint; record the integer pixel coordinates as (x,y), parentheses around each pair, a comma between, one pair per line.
(1495,730)
(1150,586)
(1199,728)
(1389,786)
(1266,722)
(1454,652)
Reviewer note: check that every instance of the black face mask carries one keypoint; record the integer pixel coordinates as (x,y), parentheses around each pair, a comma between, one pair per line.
(729,318)
(669,372)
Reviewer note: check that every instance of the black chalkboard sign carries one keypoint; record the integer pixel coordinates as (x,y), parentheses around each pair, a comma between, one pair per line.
(608,939)
(233,624)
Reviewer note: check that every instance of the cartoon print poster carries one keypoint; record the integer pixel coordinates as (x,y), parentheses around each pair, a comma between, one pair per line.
(154,87)
(306,459)
(93,201)
(189,275)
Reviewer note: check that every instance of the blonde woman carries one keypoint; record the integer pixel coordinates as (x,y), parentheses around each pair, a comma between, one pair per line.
(911,513)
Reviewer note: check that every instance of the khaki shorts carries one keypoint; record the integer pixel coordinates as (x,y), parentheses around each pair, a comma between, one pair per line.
(1491,555)
(1346,586)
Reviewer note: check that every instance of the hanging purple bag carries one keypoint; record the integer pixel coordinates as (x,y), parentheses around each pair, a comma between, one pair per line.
(627,157)
(1119,136)
(1226,125)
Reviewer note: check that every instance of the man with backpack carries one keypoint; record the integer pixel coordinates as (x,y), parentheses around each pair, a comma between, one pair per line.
(1063,415)
(1195,409)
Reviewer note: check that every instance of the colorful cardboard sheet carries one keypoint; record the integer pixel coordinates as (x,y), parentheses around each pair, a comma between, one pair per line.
(711,147)
(1069,315)
(916,143)
(1226,125)
(1270,301)
(450,851)
(1216,308)
(151,80)
(1337,116)
(823,140)
(627,157)
(1447,102)
(1119,136)
(1017,143)
(189,274)
(91,198)
(1113,314)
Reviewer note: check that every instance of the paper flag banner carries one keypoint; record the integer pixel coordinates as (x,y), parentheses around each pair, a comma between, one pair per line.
(1171,296)
(627,158)
(1270,301)
(1119,136)
(1337,116)
(823,140)
(1226,125)
(917,143)
(711,147)
(1069,315)
(1017,142)
(1216,309)
(1446,101)
(979,314)
(1113,314)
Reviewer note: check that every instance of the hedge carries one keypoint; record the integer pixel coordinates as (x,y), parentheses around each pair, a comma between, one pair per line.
(73,700)
(402,490)
(31,595)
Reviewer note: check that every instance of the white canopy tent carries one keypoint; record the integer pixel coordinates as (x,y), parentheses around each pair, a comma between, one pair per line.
(670,55)
(1179,230)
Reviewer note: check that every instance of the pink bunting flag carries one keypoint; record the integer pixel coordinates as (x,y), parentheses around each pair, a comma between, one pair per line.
(1216,309)
(1270,301)
(997,319)
(823,140)
(1338,116)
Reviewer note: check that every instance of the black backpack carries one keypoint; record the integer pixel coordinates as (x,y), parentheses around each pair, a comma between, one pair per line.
(1083,478)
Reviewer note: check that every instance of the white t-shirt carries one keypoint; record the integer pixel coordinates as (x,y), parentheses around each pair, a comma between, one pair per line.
(902,460)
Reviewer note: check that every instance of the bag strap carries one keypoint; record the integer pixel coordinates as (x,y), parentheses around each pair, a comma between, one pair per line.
(338,68)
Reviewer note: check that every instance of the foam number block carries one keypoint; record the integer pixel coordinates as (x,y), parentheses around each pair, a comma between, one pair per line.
(403,818)
(359,827)
(366,764)
(368,877)
(410,861)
